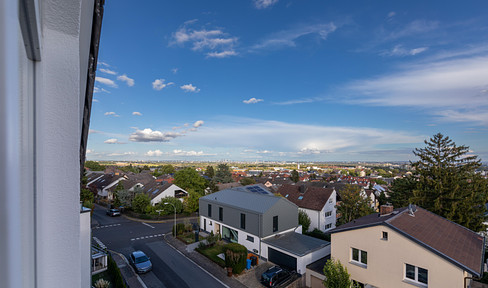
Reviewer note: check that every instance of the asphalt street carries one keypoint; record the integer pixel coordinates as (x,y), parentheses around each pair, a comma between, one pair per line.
(170,268)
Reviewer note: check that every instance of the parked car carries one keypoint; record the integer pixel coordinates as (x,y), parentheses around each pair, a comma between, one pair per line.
(113,212)
(140,261)
(277,277)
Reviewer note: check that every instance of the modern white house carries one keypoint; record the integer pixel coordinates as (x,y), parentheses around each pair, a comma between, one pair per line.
(265,224)
(48,58)
(319,204)
(162,190)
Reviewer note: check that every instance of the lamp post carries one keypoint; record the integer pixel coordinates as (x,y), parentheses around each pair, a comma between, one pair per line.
(166,203)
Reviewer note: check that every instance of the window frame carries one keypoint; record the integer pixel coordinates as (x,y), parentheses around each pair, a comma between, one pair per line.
(415,281)
(209,211)
(383,234)
(361,260)
(243,221)
(329,214)
(275,224)
(221,214)
(250,238)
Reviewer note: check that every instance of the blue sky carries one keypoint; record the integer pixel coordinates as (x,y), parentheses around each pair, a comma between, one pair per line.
(296,80)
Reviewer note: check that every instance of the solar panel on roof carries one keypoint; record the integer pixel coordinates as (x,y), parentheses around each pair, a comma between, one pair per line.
(155,191)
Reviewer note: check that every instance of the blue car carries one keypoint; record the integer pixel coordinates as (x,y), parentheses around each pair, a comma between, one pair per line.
(140,261)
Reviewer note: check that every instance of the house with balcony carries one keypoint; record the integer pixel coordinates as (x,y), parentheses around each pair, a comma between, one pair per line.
(408,247)
(265,224)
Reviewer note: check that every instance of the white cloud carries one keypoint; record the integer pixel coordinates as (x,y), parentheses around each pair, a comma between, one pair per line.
(113,141)
(151,153)
(89,151)
(159,84)
(190,88)
(177,152)
(111,114)
(103,64)
(95,100)
(106,81)
(223,54)
(451,89)
(198,123)
(129,81)
(135,113)
(121,154)
(107,71)
(299,139)
(252,101)
(288,38)
(399,50)
(415,27)
(174,70)
(391,14)
(262,4)
(148,135)
(215,42)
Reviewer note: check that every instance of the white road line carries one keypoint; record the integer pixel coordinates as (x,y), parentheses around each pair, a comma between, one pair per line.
(148,225)
(147,237)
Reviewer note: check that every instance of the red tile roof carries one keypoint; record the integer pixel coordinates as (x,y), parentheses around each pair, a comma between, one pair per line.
(314,198)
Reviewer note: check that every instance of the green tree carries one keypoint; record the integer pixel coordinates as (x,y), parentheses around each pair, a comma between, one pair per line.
(304,220)
(190,204)
(94,166)
(210,172)
(223,174)
(168,169)
(140,202)
(401,191)
(448,184)
(353,205)
(169,209)
(86,195)
(336,275)
(189,179)
(212,186)
(294,176)
(120,187)
(247,181)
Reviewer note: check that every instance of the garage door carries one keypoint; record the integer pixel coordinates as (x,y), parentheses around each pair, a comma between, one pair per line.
(316,282)
(282,259)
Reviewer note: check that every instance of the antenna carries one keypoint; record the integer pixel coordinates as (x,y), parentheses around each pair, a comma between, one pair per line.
(412,209)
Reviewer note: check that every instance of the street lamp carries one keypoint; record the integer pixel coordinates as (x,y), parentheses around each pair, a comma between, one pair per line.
(166,203)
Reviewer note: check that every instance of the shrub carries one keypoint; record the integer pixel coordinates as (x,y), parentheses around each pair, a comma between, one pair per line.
(102,283)
(235,257)
(180,228)
(316,233)
(114,272)
(212,238)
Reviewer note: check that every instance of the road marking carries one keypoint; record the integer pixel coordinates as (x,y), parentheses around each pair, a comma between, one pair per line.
(147,237)
(148,225)
(106,226)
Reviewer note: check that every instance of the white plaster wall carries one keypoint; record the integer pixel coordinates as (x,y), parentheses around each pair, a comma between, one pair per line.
(314,218)
(85,247)
(330,206)
(58,143)
(169,192)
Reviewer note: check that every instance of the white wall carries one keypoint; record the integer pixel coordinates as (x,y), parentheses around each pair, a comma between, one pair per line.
(85,247)
(40,129)
(318,219)
(169,192)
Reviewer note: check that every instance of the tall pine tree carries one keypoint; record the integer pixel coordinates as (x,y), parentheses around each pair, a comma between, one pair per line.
(448,184)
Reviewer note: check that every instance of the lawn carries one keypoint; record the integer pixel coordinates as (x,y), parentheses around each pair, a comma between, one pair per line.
(212,252)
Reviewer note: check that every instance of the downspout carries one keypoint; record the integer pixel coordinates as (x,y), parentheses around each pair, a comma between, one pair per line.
(260,234)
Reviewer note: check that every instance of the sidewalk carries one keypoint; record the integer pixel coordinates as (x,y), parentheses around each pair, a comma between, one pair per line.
(202,261)
(132,280)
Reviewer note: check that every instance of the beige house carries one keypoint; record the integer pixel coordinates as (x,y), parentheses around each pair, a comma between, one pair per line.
(408,248)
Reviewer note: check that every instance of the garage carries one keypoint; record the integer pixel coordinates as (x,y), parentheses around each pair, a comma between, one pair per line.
(282,259)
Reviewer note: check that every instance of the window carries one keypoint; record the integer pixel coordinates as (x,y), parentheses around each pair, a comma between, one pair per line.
(221,214)
(328,226)
(328,213)
(359,257)
(209,210)
(385,236)
(250,238)
(416,274)
(330,200)
(243,221)
(275,223)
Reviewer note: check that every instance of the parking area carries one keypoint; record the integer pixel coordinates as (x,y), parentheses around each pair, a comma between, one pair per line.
(251,278)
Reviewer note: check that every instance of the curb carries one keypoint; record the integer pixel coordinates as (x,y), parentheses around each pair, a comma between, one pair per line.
(131,268)
(158,221)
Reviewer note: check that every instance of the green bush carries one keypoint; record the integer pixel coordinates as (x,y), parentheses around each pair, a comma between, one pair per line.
(180,228)
(235,257)
(114,271)
(316,233)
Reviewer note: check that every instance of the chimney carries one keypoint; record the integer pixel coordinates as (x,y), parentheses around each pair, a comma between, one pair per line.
(303,188)
(386,209)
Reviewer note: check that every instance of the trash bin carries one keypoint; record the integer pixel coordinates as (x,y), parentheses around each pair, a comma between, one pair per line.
(254,260)
(196,236)
(248,264)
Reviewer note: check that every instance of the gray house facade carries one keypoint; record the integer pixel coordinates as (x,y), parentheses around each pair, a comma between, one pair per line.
(246,218)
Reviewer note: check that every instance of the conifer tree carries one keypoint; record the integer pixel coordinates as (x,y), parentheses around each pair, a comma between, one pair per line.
(448,184)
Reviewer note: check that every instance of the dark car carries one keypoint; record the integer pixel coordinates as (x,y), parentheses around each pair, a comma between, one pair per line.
(140,261)
(277,277)
(113,212)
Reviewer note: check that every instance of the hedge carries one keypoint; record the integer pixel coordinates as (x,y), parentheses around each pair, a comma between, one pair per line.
(114,272)
(235,257)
